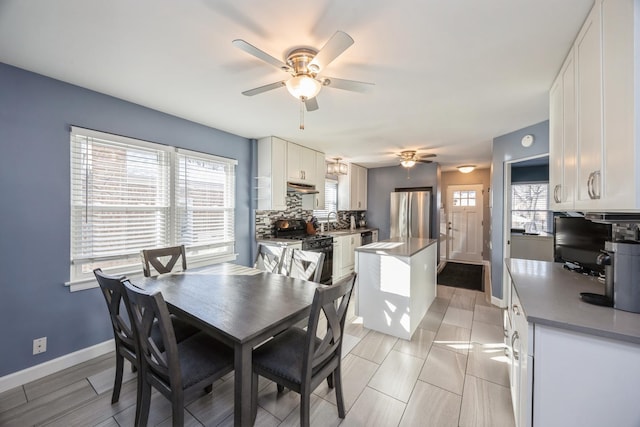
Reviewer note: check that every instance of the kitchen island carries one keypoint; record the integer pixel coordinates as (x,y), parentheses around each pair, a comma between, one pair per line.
(396,284)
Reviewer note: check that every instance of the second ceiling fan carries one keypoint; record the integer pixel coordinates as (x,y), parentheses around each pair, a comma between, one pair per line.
(305,65)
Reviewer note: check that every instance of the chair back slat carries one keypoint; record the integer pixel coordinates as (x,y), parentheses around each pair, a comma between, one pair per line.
(145,310)
(112,291)
(333,302)
(304,265)
(163,260)
(270,258)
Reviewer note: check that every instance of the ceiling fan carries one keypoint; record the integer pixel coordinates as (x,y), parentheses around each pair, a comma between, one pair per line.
(410,157)
(304,65)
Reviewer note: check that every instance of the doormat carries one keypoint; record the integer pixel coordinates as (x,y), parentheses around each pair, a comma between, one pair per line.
(467,276)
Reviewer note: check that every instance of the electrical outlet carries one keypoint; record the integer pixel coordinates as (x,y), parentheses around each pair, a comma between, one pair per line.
(39,345)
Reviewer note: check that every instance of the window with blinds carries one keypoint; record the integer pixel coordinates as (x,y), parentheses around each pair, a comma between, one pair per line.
(530,207)
(128,195)
(330,200)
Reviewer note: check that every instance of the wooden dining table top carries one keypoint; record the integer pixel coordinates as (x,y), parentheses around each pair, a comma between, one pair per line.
(241,303)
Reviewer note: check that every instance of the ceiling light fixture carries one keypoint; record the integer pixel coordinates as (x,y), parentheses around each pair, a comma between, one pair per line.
(466,168)
(408,163)
(303,87)
(337,168)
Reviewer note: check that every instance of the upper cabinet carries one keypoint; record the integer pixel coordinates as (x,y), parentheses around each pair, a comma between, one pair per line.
(352,189)
(279,162)
(271,180)
(563,137)
(301,164)
(595,114)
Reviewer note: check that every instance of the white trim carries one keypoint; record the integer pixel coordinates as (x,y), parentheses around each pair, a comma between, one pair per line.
(498,302)
(52,366)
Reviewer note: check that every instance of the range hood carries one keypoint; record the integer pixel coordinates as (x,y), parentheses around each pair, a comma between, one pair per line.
(613,217)
(292,187)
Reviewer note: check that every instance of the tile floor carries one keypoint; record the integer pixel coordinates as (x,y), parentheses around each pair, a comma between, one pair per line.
(452,373)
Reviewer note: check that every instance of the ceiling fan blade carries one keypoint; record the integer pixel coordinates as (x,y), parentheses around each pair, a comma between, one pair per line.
(424,161)
(265,88)
(426,156)
(337,44)
(311,104)
(252,50)
(352,85)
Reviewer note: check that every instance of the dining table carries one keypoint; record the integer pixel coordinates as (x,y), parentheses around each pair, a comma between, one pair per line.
(241,306)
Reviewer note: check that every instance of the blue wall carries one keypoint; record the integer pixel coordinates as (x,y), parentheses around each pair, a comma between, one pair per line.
(508,148)
(35,115)
(382,181)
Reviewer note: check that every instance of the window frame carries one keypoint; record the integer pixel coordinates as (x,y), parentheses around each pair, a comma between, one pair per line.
(202,254)
(546,212)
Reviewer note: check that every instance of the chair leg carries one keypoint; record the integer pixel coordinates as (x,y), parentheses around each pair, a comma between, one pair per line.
(144,401)
(337,378)
(177,408)
(305,408)
(280,388)
(208,389)
(117,384)
(330,381)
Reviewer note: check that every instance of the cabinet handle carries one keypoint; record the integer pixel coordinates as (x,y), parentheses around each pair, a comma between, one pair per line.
(556,189)
(596,194)
(514,337)
(590,186)
(516,309)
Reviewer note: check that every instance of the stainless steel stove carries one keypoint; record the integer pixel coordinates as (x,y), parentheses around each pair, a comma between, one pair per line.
(296,229)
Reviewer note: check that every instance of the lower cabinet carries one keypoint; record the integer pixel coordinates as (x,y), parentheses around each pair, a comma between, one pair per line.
(344,249)
(337,259)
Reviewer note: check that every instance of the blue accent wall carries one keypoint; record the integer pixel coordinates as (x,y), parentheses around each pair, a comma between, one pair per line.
(35,115)
(381,182)
(508,148)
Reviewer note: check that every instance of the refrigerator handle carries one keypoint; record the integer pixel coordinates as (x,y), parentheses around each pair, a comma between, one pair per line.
(409,219)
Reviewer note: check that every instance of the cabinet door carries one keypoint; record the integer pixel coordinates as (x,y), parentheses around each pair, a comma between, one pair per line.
(621,189)
(556,155)
(321,169)
(361,189)
(337,259)
(294,154)
(588,52)
(308,165)
(271,179)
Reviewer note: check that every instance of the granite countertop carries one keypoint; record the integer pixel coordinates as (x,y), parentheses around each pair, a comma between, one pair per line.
(550,295)
(402,247)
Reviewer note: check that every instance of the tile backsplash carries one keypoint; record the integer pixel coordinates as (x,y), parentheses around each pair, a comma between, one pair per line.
(265,219)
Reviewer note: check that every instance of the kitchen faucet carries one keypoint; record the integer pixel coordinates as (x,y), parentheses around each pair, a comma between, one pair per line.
(329,222)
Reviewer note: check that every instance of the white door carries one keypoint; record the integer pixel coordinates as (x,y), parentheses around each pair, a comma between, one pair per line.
(464,205)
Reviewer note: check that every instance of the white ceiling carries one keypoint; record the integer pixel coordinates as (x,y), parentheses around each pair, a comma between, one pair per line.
(450,75)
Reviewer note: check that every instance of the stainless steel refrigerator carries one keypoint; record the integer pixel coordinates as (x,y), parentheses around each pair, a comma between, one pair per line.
(410,214)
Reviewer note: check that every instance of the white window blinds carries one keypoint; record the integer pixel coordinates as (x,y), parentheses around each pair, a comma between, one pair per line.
(330,200)
(529,207)
(128,195)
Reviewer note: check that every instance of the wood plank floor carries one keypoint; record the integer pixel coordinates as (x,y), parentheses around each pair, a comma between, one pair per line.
(452,373)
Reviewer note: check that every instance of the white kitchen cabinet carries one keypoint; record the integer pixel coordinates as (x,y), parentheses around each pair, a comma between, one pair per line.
(321,168)
(605,167)
(520,352)
(352,189)
(563,137)
(301,164)
(271,181)
(374,236)
(337,260)
(588,56)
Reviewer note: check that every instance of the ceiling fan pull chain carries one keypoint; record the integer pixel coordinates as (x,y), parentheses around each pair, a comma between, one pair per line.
(302,99)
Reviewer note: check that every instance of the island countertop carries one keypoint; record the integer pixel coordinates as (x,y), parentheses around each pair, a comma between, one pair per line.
(550,295)
(398,246)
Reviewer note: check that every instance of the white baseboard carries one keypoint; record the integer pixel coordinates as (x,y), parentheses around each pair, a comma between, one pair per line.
(47,368)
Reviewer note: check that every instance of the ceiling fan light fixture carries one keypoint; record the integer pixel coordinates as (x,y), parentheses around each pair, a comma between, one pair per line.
(303,87)
(466,168)
(408,163)
(337,168)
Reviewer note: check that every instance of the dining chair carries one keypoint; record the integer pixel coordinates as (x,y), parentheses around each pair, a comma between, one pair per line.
(299,360)
(163,260)
(182,366)
(270,258)
(305,265)
(123,335)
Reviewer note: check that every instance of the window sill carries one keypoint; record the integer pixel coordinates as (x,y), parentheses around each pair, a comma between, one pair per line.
(194,262)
